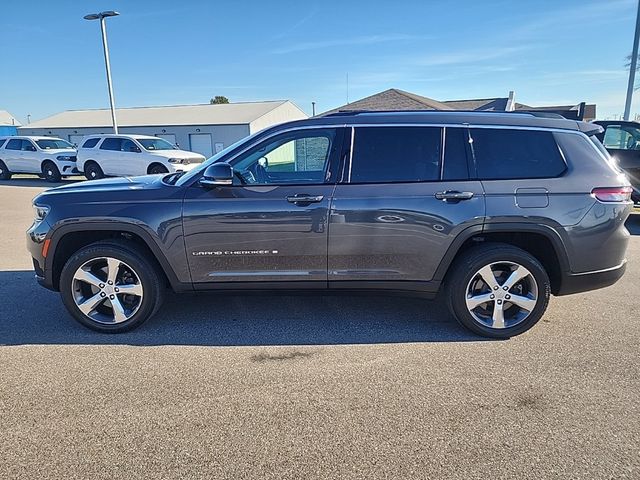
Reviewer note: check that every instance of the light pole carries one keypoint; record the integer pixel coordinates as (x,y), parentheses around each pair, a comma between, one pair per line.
(632,67)
(101,16)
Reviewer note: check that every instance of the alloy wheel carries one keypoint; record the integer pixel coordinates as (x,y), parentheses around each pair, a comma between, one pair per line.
(107,290)
(501,295)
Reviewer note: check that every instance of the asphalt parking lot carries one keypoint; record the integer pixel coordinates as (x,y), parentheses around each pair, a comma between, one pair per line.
(313,387)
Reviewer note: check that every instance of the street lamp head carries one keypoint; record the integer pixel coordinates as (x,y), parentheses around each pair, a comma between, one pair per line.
(98,16)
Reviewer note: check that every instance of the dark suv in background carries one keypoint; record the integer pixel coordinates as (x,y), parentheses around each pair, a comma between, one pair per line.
(497,211)
(622,140)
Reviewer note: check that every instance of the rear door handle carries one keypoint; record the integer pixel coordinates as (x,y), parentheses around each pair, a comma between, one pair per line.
(453,195)
(302,198)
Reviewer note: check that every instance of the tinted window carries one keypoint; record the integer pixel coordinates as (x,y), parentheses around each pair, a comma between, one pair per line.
(129,146)
(395,154)
(92,142)
(111,143)
(455,154)
(2,142)
(14,144)
(27,146)
(622,137)
(513,154)
(297,157)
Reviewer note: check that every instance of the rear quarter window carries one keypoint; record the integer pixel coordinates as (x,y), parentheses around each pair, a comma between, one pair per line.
(14,144)
(92,142)
(502,154)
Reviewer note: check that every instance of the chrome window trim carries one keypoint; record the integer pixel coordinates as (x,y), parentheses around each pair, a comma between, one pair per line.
(353,126)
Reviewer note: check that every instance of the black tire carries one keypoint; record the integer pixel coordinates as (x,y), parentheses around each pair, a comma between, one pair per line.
(50,172)
(5,174)
(466,269)
(145,268)
(92,171)
(156,169)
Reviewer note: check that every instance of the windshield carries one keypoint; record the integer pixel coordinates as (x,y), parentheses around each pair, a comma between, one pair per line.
(54,144)
(196,171)
(155,144)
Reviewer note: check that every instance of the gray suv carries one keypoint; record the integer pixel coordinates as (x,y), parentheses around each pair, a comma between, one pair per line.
(497,211)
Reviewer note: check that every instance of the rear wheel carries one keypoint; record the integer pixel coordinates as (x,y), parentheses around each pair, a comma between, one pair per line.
(93,171)
(5,174)
(111,287)
(498,290)
(156,169)
(50,172)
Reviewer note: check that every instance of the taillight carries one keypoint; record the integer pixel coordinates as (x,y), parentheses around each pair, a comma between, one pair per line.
(612,194)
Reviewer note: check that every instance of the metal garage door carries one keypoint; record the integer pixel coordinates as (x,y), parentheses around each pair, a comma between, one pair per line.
(75,139)
(201,143)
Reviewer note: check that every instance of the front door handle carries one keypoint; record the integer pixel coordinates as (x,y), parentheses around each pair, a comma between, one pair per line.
(303,198)
(453,195)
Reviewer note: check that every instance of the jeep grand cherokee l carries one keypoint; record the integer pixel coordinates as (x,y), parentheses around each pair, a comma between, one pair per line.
(497,211)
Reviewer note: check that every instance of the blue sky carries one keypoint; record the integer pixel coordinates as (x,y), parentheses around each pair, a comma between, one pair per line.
(177,52)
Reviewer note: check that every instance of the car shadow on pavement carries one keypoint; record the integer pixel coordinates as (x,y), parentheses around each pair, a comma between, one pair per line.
(30,314)
(35,182)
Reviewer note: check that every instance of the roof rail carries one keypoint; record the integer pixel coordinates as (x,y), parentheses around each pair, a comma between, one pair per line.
(342,113)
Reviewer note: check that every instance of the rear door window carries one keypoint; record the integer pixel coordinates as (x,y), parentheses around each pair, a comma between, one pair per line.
(395,155)
(111,143)
(92,142)
(502,154)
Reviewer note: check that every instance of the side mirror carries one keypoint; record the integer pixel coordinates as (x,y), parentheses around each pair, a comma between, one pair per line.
(217,174)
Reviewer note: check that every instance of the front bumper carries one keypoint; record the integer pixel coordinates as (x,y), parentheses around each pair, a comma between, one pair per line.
(583,282)
(36,236)
(67,168)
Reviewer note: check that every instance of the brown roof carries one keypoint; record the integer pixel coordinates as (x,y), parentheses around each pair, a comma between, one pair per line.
(481,104)
(393,99)
(589,109)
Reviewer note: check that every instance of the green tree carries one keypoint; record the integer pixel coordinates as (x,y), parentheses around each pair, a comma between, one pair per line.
(218,99)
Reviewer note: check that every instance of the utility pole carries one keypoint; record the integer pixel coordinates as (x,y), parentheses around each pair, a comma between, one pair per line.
(633,66)
(101,16)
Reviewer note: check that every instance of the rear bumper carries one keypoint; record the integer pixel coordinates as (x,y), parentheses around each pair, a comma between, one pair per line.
(583,282)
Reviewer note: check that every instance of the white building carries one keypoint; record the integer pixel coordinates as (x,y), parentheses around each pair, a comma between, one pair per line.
(201,128)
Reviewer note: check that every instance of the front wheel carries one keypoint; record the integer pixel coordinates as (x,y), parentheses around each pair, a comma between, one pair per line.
(498,290)
(111,287)
(50,172)
(157,169)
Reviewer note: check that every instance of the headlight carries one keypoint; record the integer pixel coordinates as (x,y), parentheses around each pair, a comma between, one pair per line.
(176,160)
(66,158)
(40,212)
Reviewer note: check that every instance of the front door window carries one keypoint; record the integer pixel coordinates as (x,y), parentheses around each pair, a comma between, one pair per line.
(295,158)
(622,138)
